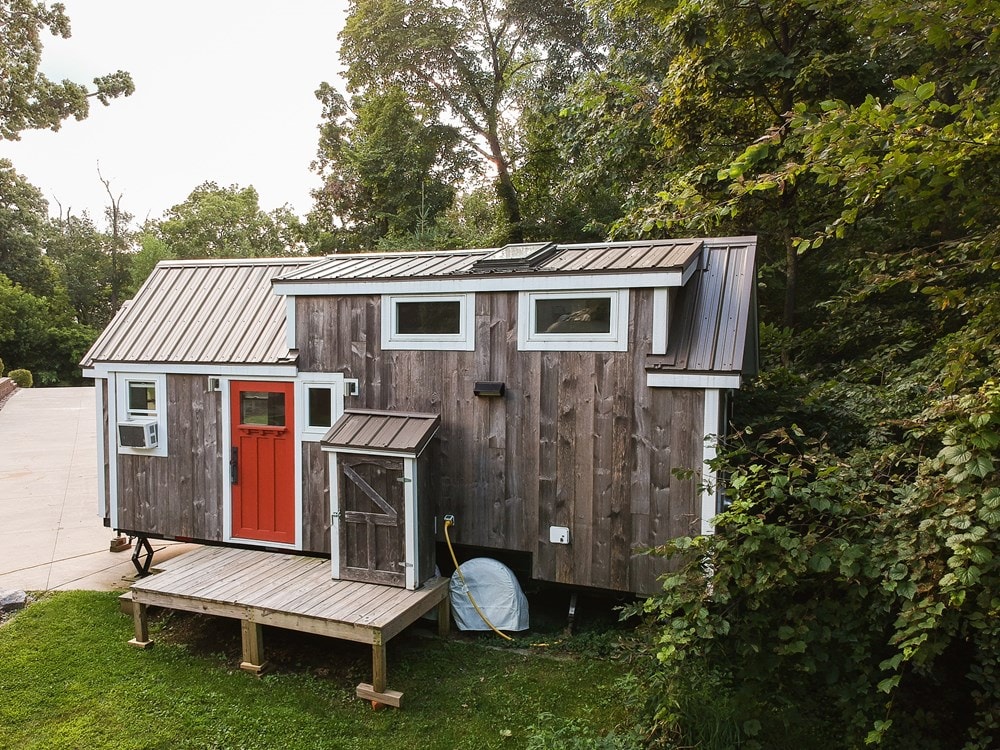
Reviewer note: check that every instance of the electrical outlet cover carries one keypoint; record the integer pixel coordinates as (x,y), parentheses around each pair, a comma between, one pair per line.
(559,534)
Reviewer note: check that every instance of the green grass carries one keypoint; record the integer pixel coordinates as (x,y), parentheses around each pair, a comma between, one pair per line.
(68,679)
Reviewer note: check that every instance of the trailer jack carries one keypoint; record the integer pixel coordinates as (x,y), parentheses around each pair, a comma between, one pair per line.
(141,562)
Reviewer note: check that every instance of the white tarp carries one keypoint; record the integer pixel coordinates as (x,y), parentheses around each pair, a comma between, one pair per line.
(496,591)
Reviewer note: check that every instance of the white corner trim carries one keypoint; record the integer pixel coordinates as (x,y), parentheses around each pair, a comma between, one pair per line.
(661,319)
(102,447)
(290,323)
(691,380)
(411,553)
(334,516)
(710,429)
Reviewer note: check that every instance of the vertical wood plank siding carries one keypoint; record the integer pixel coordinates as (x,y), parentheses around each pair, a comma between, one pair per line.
(179,494)
(579,440)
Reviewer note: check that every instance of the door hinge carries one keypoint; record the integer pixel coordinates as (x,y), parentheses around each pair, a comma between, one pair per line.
(404,480)
(335,514)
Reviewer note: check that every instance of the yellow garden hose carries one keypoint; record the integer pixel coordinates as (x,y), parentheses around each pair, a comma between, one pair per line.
(448,522)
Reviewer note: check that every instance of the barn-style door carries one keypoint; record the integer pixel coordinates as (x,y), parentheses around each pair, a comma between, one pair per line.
(372,519)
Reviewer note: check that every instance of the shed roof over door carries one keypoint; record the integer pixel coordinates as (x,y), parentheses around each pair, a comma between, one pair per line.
(360,430)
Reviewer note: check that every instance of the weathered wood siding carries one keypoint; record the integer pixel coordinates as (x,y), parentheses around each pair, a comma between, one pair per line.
(179,494)
(315,499)
(579,440)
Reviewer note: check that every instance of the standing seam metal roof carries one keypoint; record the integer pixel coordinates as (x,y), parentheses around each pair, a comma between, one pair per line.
(713,320)
(605,257)
(205,312)
(392,432)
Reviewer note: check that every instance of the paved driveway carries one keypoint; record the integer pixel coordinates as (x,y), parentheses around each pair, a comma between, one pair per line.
(51,533)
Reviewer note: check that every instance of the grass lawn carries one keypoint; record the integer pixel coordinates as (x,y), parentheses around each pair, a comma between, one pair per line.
(68,679)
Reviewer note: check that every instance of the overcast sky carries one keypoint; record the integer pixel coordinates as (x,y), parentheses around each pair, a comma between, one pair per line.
(224,92)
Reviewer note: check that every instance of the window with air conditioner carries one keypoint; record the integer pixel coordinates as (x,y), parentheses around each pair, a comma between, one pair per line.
(141,417)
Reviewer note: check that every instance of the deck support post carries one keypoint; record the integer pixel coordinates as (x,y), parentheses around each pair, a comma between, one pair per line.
(253,647)
(444,616)
(377,692)
(139,618)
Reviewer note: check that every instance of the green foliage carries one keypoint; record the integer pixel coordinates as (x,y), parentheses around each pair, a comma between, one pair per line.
(84,686)
(216,222)
(866,582)
(471,62)
(42,334)
(21,378)
(1,368)
(386,169)
(28,99)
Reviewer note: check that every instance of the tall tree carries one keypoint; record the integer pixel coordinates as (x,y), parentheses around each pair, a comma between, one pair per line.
(23,217)
(385,170)
(725,73)
(472,60)
(28,99)
(225,222)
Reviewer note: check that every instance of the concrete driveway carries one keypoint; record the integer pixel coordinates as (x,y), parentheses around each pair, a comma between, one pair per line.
(51,533)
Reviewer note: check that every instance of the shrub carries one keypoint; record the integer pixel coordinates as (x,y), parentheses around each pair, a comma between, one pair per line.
(1,368)
(21,378)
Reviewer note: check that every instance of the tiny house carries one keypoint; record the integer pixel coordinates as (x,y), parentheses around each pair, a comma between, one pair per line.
(542,394)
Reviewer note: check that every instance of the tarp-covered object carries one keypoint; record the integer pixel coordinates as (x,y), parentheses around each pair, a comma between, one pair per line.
(495,588)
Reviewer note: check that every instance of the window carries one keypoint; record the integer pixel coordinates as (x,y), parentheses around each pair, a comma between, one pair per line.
(319,403)
(319,409)
(263,408)
(428,322)
(573,321)
(141,400)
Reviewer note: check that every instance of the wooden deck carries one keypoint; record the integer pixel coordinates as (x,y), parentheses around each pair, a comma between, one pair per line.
(288,591)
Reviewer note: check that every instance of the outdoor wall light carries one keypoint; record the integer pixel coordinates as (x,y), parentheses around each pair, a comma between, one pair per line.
(489,388)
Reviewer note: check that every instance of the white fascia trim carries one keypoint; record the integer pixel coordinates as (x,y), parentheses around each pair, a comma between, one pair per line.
(367,452)
(690,380)
(453,284)
(240,372)
(710,429)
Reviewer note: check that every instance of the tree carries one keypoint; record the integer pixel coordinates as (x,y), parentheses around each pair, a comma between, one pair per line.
(117,239)
(77,249)
(472,60)
(385,170)
(227,222)
(23,217)
(720,75)
(28,99)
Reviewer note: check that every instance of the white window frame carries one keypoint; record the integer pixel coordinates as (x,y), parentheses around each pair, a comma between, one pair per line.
(616,340)
(464,340)
(333,382)
(123,414)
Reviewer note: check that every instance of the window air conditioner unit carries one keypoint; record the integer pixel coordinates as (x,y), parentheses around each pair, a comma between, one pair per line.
(137,433)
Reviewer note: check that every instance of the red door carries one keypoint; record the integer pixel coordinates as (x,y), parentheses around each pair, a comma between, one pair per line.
(262,464)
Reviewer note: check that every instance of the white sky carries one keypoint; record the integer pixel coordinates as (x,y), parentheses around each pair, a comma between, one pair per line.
(224,92)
